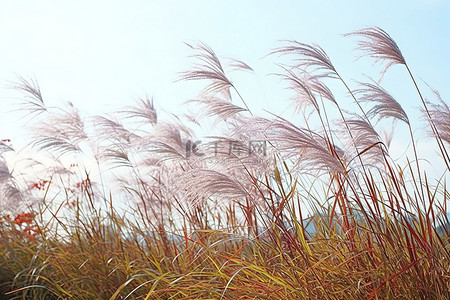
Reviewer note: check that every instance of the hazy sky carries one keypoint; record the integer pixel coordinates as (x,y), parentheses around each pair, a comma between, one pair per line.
(102,55)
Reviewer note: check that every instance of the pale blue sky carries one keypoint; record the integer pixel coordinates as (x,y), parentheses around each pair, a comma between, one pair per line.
(103,55)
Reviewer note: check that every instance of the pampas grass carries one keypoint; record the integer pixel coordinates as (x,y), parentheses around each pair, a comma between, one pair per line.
(133,205)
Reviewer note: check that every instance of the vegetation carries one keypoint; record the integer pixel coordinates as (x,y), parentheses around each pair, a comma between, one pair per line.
(263,208)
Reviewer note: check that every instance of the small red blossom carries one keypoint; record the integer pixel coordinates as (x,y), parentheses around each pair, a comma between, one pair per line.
(29,230)
(26,218)
(40,185)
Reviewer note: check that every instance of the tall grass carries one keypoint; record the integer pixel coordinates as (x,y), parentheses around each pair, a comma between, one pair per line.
(266,208)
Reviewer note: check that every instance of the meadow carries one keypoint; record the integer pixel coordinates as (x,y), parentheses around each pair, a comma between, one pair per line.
(131,206)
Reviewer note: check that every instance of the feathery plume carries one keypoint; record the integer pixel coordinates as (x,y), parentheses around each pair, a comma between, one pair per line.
(385,105)
(62,133)
(309,57)
(167,143)
(304,95)
(440,115)
(117,155)
(366,139)
(379,45)
(209,68)
(307,148)
(33,102)
(112,130)
(236,156)
(165,151)
(217,107)
(144,111)
(200,184)
(239,65)
(321,89)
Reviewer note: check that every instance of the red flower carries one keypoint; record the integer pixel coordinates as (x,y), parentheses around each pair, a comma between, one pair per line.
(39,185)
(26,218)
(29,230)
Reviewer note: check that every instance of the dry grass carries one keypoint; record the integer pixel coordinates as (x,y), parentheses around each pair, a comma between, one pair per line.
(269,209)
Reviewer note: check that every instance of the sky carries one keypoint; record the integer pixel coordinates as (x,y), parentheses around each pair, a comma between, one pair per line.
(104,55)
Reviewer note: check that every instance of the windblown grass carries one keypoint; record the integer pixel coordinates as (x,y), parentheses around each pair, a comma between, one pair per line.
(268,209)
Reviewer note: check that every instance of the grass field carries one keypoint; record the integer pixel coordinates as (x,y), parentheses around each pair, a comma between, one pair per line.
(134,207)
